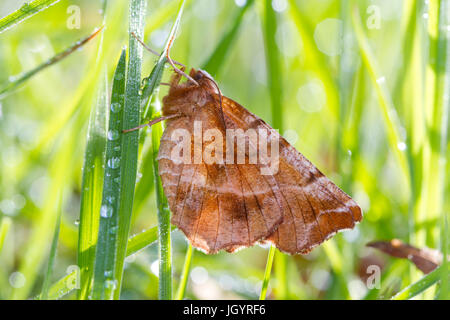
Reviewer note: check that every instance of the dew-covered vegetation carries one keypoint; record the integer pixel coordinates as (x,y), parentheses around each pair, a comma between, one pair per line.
(361,88)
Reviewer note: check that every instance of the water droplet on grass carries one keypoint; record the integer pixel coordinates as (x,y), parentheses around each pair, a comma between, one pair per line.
(106,211)
(114,163)
(115,107)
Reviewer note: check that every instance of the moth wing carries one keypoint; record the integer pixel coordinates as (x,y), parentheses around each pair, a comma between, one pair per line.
(314,207)
(217,206)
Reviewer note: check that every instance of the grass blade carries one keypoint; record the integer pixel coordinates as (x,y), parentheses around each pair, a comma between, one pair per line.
(265,284)
(274,76)
(105,255)
(56,58)
(420,286)
(135,243)
(384,97)
(185,273)
(130,141)
(27,10)
(149,99)
(217,58)
(142,240)
(52,255)
(92,184)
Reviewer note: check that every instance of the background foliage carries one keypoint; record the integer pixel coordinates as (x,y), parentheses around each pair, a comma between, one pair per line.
(361,88)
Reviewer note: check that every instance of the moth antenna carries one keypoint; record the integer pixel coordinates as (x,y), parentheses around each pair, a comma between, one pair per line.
(152,122)
(151,50)
(220,96)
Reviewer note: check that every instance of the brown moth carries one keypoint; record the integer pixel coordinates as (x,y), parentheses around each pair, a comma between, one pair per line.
(229,204)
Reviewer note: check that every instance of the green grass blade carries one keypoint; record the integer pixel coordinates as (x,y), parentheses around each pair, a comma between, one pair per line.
(217,58)
(105,256)
(149,98)
(52,255)
(130,141)
(384,97)
(56,58)
(420,286)
(267,272)
(273,61)
(62,287)
(135,243)
(92,184)
(185,274)
(164,249)
(151,83)
(143,239)
(27,10)
(275,83)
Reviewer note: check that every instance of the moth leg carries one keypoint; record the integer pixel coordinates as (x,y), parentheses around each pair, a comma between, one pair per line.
(152,122)
(156,53)
(179,71)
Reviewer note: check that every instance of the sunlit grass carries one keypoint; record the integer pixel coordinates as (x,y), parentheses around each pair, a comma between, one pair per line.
(373,117)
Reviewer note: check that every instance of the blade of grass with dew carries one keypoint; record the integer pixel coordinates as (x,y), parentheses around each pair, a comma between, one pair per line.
(143,239)
(135,243)
(217,58)
(152,107)
(52,255)
(421,285)
(56,58)
(105,254)
(164,235)
(93,173)
(91,186)
(130,141)
(185,274)
(391,121)
(27,10)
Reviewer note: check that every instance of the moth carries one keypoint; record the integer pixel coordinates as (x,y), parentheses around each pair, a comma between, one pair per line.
(228,205)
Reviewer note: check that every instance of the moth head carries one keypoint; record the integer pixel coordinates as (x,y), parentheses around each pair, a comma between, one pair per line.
(204,79)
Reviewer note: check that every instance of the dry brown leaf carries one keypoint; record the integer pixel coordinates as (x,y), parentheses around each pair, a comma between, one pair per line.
(425,259)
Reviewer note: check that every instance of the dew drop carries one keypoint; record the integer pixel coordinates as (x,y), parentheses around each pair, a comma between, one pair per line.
(114,163)
(115,107)
(106,211)
(113,135)
(111,284)
(401,146)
